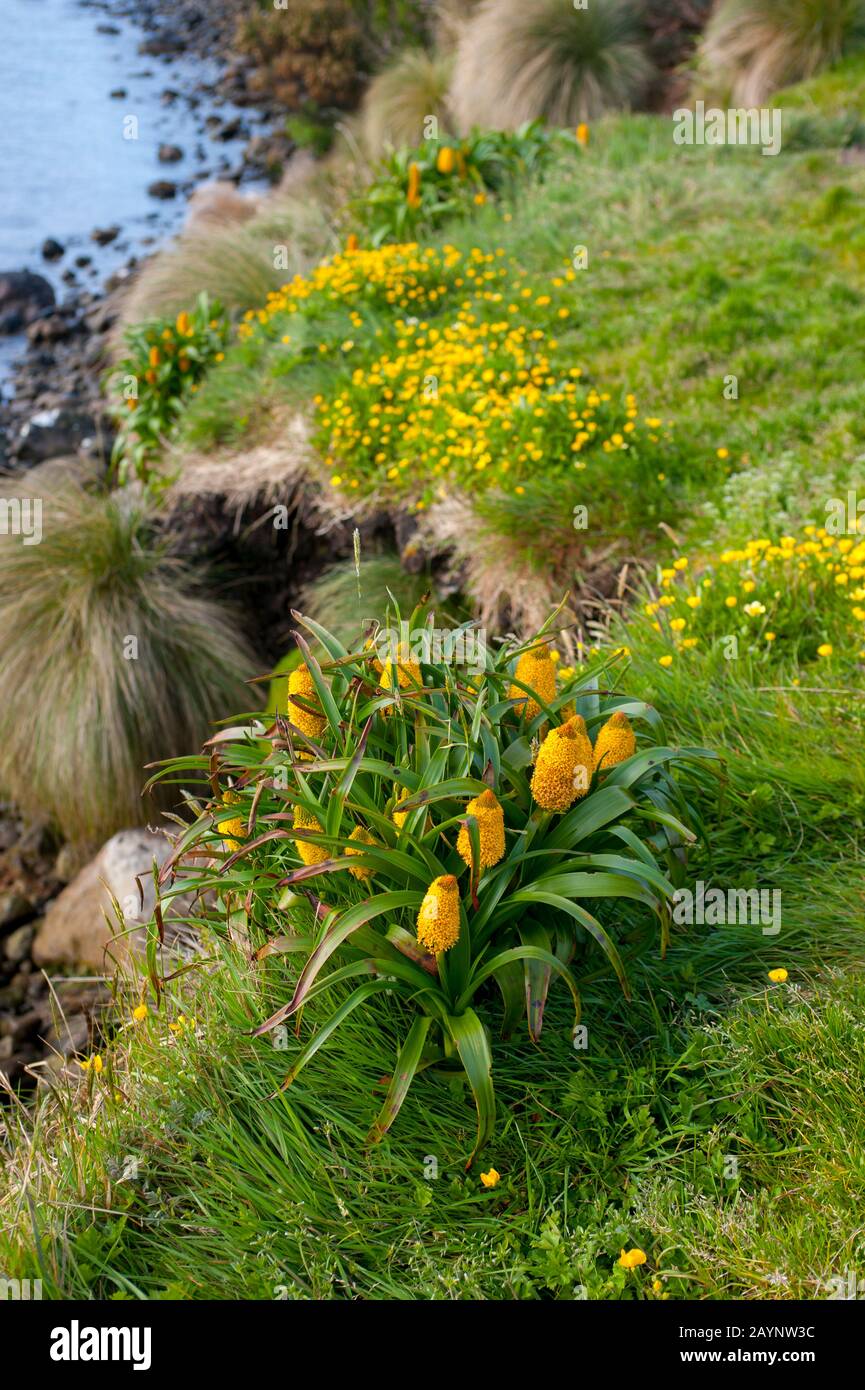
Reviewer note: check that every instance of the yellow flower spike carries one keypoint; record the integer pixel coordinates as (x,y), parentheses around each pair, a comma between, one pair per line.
(491,1178)
(778,976)
(140,1013)
(582,133)
(399,817)
(412,196)
(487,809)
(615,742)
(446,161)
(183,324)
(563,769)
(232,831)
(535,669)
(154,357)
(300,683)
(352,243)
(309,853)
(408,675)
(361,834)
(438,922)
(630,1259)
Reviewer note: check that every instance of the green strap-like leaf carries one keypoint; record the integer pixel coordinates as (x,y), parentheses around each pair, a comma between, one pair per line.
(404,1072)
(586,920)
(516,954)
(362,993)
(473,1047)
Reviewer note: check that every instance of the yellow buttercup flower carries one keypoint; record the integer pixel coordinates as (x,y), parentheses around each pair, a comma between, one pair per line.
(778,976)
(93,1064)
(564,766)
(491,1178)
(140,1013)
(583,134)
(535,669)
(825,649)
(438,922)
(300,683)
(487,809)
(615,742)
(665,660)
(362,834)
(630,1259)
(309,853)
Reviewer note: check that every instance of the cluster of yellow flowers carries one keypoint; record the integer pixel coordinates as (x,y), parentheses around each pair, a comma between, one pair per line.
(812,583)
(403,276)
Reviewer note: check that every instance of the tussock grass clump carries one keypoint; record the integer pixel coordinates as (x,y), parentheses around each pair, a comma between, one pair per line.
(113,653)
(400,100)
(753,47)
(518,62)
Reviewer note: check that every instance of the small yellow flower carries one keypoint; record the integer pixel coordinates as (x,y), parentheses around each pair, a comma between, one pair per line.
(629,1259)
(778,976)
(677,624)
(438,922)
(693,600)
(490,817)
(723,453)
(665,660)
(770,636)
(731,600)
(582,134)
(657,1286)
(93,1064)
(825,649)
(491,1178)
(140,1013)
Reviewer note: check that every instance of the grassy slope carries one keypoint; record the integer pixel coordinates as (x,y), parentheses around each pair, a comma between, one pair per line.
(716,264)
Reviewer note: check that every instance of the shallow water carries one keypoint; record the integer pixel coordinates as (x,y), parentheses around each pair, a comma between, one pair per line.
(67,164)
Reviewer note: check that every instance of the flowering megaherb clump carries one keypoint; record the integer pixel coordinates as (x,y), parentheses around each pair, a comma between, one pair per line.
(465,382)
(453,839)
(799,595)
(165,360)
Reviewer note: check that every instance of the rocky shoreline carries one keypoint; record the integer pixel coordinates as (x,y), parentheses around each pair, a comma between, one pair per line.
(47,894)
(52,404)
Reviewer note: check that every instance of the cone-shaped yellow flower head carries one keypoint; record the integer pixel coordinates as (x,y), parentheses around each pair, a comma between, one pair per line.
(563,770)
(438,922)
(491,830)
(361,833)
(309,853)
(446,160)
(232,831)
(412,196)
(399,817)
(538,672)
(408,675)
(300,683)
(615,742)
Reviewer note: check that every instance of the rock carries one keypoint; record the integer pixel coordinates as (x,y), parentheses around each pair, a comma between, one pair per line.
(14,907)
(53,329)
(69,1035)
(169,154)
(75,931)
(50,433)
(16,947)
(52,250)
(162,188)
(23,296)
(68,863)
(19,1027)
(103,236)
(164,45)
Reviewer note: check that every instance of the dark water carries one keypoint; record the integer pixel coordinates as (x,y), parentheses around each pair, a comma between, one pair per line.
(67,164)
